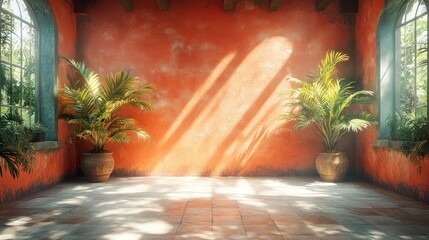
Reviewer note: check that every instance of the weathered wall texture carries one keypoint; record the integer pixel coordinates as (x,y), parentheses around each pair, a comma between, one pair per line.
(385,167)
(218,77)
(50,167)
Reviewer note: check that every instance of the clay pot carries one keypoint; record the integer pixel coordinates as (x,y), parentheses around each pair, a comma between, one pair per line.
(97,167)
(332,167)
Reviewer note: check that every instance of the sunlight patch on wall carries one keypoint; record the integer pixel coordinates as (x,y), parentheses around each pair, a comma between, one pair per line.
(225,121)
(198,96)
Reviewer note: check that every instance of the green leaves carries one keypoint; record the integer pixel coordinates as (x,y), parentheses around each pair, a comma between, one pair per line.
(91,106)
(325,101)
(413,132)
(15,150)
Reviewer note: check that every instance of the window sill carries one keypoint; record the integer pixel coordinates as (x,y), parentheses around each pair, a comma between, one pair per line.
(396,145)
(45,146)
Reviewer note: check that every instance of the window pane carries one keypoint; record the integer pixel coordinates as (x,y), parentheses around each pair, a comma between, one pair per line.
(15,88)
(421,9)
(5,76)
(6,5)
(5,110)
(410,10)
(28,116)
(28,48)
(421,85)
(12,6)
(28,89)
(16,43)
(24,12)
(407,90)
(407,46)
(6,26)
(421,39)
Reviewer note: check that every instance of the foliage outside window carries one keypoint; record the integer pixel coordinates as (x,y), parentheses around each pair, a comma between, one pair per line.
(411,60)
(18,75)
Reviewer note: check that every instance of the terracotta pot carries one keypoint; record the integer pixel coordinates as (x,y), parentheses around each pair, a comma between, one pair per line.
(97,167)
(332,167)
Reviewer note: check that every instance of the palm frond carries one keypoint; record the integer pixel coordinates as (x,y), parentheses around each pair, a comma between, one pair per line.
(91,107)
(92,83)
(15,151)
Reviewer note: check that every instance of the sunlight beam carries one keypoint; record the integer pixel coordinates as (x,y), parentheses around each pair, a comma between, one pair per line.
(199,94)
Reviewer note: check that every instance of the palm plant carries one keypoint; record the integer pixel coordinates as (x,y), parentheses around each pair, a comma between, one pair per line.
(90,106)
(15,150)
(413,133)
(325,102)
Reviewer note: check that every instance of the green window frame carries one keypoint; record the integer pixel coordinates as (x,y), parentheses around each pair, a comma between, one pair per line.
(46,66)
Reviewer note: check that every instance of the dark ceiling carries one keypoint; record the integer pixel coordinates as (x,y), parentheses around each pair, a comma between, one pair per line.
(347,6)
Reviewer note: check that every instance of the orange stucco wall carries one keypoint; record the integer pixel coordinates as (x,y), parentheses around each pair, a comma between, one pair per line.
(50,167)
(218,76)
(386,167)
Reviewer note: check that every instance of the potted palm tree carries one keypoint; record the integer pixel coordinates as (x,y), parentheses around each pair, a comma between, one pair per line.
(90,107)
(324,102)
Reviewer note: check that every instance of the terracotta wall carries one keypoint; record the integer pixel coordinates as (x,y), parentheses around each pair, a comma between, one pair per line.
(386,167)
(218,78)
(50,167)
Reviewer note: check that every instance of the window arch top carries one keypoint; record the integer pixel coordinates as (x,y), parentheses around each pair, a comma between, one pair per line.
(18,8)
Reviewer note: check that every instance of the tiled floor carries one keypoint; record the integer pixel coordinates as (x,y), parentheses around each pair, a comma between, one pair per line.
(214,208)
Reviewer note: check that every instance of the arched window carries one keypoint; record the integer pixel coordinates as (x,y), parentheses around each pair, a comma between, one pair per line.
(29,62)
(402,75)
(18,59)
(411,59)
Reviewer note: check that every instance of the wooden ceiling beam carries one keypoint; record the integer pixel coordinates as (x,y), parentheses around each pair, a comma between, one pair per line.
(275,4)
(229,5)
(322,4)
(163,5)
(127,5)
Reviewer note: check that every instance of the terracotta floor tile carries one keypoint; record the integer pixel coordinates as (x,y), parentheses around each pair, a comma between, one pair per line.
(198,211)
(295,229)
(365,212)
(226,212)
(319,220)
(225,220)
(225,203)
(303,237)
(285,219)
(199,204)
(229,236)
(187,229)
(197,219)
(262,230)
(230,228)
(257,220)
(262,237)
